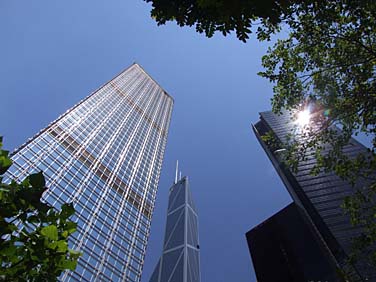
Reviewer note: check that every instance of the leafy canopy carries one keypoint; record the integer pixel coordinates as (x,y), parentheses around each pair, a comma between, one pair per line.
(224,16)
(33,235)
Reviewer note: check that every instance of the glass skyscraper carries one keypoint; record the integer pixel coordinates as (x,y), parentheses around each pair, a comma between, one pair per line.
(318,197)
(180,261)
(105,155)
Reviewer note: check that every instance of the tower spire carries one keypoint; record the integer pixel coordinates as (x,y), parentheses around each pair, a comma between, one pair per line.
(176,171)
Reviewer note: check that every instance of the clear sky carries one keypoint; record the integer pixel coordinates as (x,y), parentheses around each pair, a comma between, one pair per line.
(53,53)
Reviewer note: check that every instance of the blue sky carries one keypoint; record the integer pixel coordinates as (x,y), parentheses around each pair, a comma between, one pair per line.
(54,53)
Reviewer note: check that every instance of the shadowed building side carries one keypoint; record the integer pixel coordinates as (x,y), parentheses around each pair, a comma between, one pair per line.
(180,261)
(285,244)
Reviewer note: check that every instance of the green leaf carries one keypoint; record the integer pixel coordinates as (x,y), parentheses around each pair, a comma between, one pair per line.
(37,180)
(74,253)
(71,227)
(31,197)
(68,264)
(50,232)
(67,210)
(26,182)
(33,219)
(5,161)
(9,251)
(60,246)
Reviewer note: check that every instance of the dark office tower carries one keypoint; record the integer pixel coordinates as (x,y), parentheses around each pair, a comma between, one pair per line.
(283,248)
(180,261)
(318,197)
(105,155)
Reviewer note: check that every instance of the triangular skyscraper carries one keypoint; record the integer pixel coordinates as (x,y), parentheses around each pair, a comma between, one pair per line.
(180,261)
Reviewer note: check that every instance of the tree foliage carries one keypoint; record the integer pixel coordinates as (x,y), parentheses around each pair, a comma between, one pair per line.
(33,235)
(210,16)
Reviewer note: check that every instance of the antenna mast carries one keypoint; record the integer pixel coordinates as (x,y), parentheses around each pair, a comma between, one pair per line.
(176,172)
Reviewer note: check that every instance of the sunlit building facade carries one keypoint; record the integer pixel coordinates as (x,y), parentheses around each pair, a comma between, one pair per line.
(105,155)
(318,197)
(180,260)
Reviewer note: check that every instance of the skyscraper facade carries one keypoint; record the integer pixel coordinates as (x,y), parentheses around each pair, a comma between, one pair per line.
(105,155)
(320,196)
(180,261)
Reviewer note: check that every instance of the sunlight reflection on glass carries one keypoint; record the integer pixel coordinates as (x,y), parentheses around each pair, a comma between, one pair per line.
(303,118)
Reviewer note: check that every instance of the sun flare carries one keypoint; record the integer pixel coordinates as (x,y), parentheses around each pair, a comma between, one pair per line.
(303,118)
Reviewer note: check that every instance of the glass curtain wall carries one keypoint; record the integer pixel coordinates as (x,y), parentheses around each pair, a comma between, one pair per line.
(105,155)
